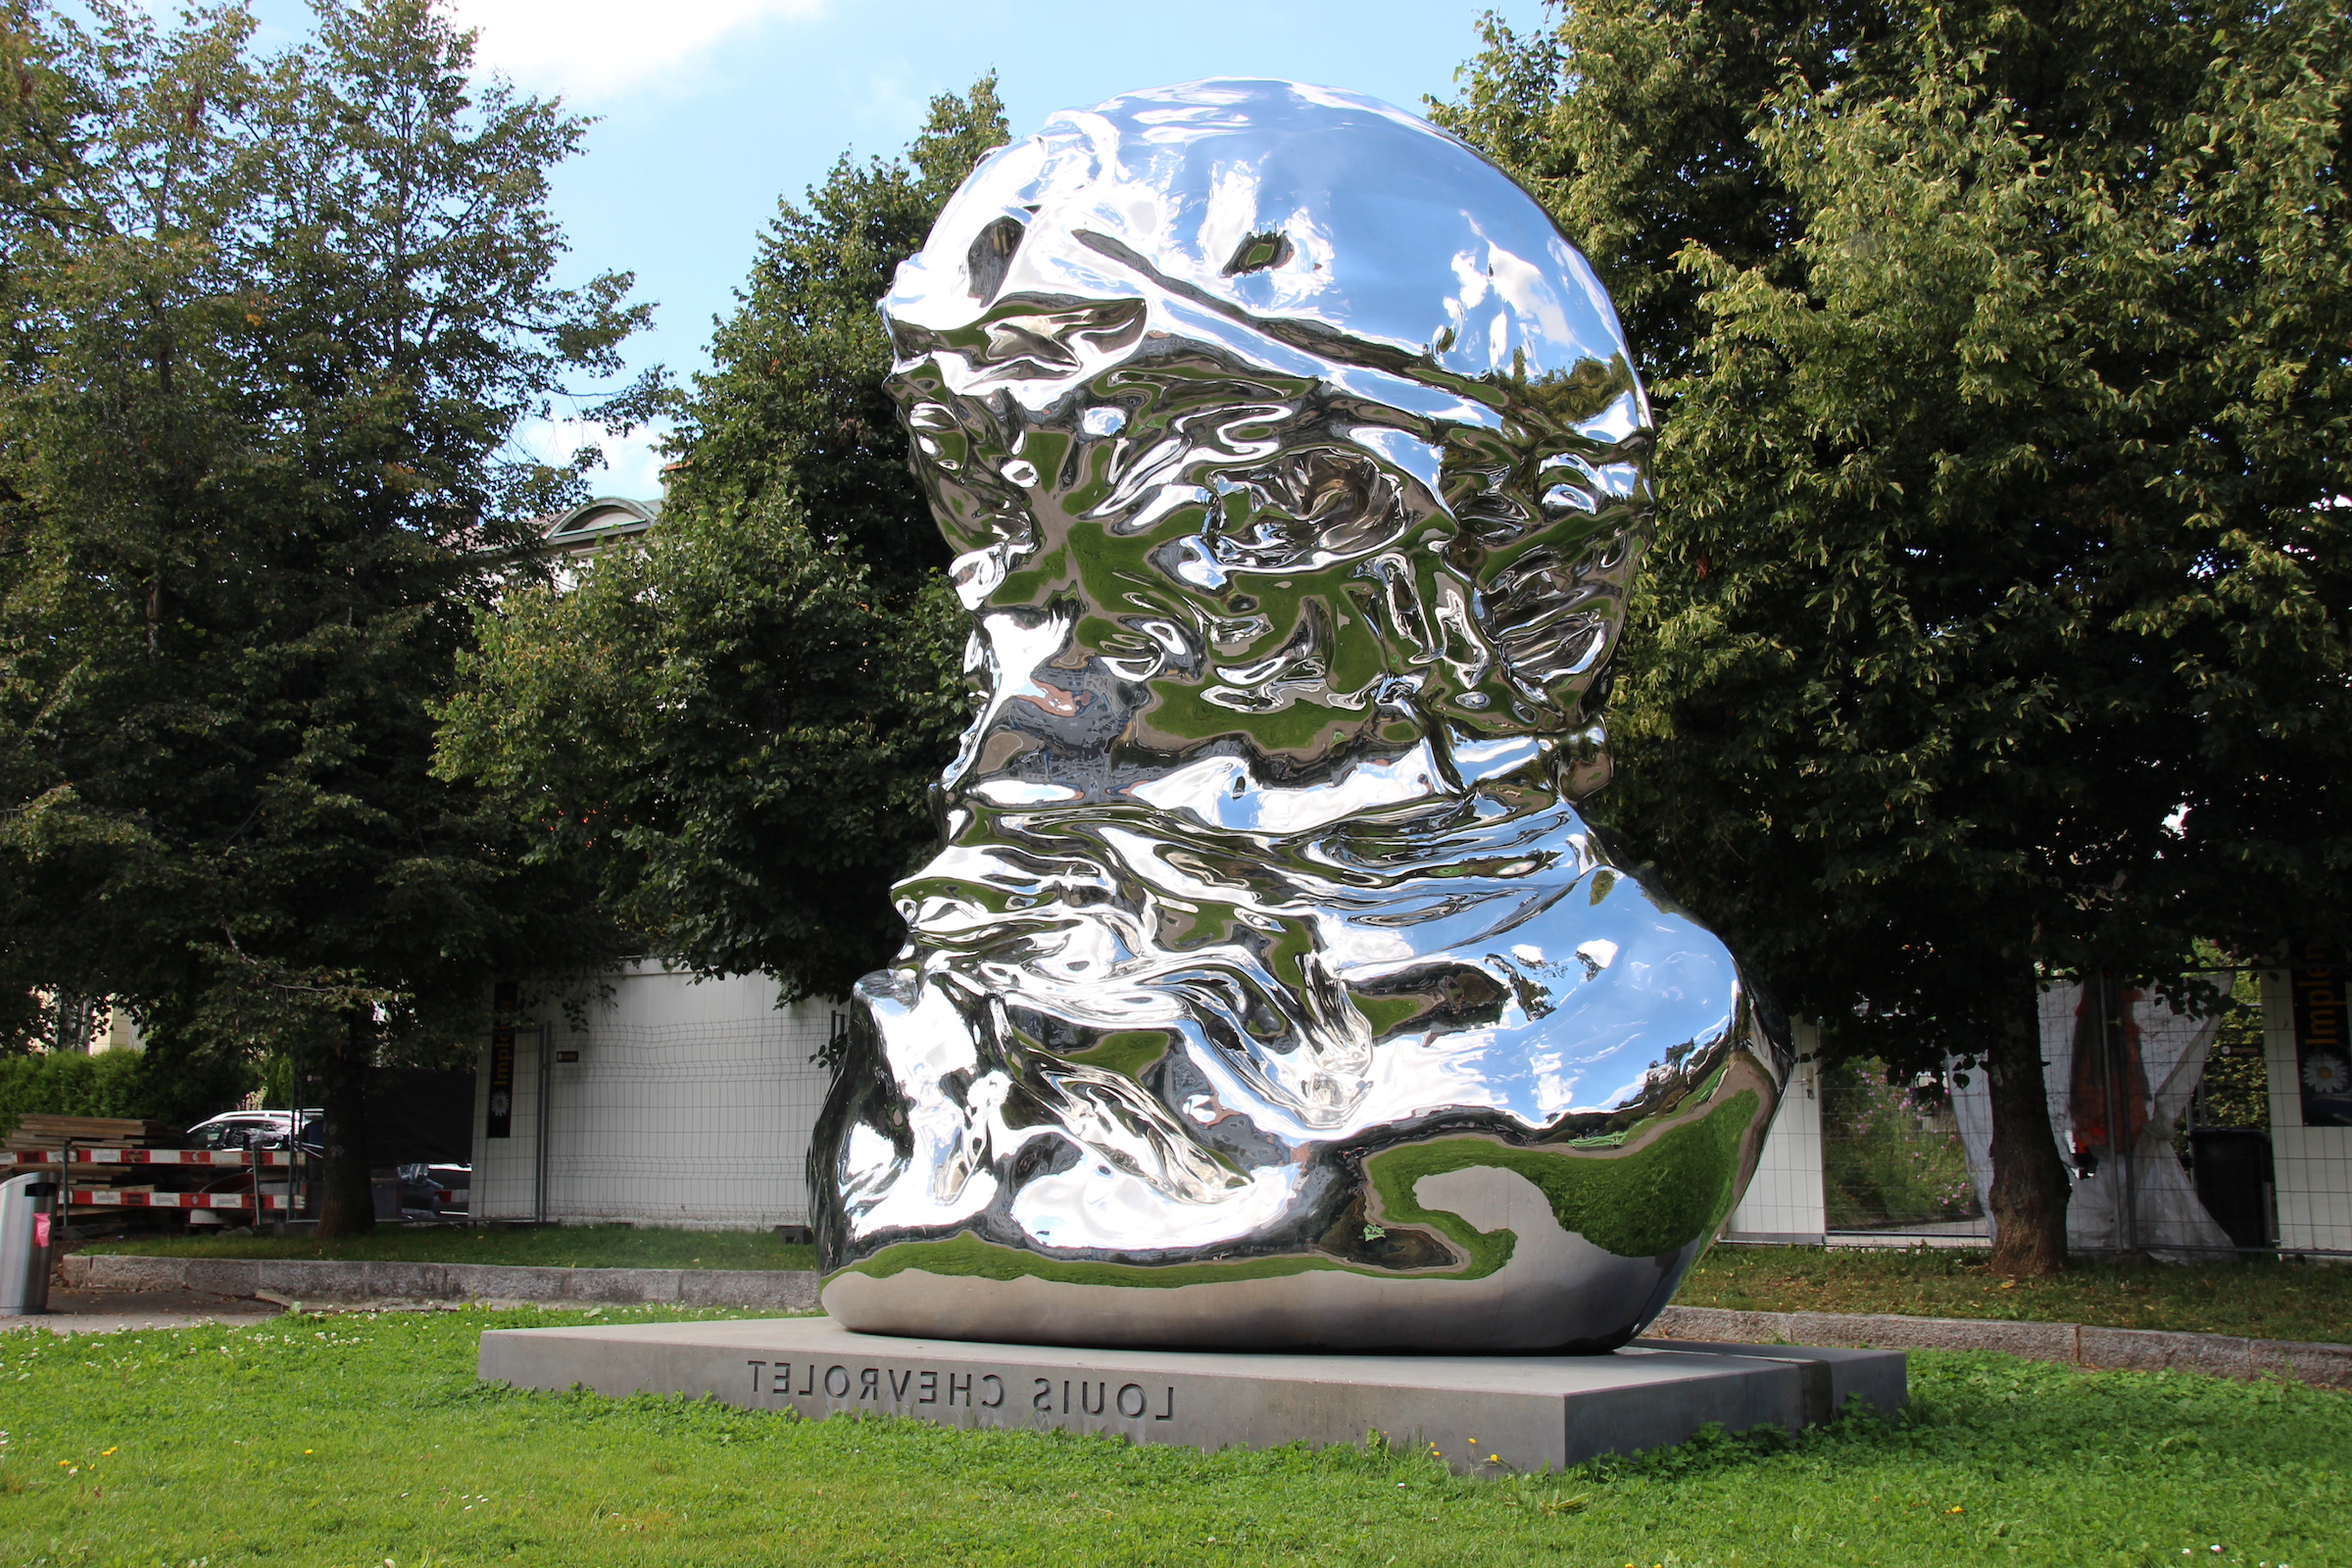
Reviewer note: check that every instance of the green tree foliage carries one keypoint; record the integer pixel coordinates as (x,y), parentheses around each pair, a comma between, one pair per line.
(736,726)
(794,399)
(62,1084)
(273,323)
(161,1084)
(1996,626)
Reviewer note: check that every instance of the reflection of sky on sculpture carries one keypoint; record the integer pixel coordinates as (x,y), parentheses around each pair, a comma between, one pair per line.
(1423,249)
(1297,474)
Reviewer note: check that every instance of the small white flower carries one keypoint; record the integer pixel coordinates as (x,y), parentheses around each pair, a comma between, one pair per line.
(2326,1075)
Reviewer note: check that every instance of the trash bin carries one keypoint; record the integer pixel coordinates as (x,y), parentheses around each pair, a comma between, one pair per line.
(2234,1181)
(27,1225)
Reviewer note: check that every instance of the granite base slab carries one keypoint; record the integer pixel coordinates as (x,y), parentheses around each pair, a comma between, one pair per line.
(1485,1414)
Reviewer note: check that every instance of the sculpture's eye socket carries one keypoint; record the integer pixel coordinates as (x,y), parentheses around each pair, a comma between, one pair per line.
(1014,344)
(1257,253)
(1314,505)
(991,258)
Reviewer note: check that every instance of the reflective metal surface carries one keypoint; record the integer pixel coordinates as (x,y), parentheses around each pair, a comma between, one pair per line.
(1270,990)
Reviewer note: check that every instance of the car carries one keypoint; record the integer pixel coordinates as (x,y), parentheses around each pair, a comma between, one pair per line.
(430,1192)
(419,1191)
(264,1130)
(255,1129)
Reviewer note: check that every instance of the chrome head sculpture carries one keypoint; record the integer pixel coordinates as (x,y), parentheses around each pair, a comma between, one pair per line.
(1270,990)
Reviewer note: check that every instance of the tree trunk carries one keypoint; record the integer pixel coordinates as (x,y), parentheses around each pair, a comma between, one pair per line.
(2030,1189)
(346,1196)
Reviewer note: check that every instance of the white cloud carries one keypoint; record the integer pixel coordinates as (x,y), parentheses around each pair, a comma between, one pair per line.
(594,48)
(632,465)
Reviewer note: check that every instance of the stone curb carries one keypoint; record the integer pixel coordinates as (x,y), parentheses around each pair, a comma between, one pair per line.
(2325,1366)
(2328,1366)
(783,1290)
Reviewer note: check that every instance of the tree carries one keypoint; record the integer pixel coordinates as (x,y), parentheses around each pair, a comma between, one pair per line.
(273,325)
(736,728)
(1996,626)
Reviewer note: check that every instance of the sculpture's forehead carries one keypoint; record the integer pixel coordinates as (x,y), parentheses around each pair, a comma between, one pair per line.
(1321,218)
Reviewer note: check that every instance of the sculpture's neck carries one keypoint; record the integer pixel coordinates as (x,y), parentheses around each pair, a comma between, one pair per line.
(1231,792)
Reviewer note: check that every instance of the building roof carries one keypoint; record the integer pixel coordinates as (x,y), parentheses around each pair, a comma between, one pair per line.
(594,525)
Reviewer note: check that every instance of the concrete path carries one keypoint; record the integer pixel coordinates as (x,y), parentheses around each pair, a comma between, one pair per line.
(336,1284)
(106,1311)
(2327,1366)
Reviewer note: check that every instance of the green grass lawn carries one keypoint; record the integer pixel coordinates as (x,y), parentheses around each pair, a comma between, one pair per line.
(2266,1299)
(363,1439)
(549,1245)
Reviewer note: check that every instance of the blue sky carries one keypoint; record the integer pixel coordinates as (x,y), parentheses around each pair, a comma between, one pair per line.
(709,110)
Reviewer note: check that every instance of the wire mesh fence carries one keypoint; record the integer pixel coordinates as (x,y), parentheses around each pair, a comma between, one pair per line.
(2186,1133)
(1892,1160)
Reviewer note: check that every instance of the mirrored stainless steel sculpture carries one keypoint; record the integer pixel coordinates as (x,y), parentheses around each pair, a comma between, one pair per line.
(1270,990)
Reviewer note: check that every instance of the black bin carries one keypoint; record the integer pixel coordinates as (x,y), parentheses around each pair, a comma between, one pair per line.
(2233,1175)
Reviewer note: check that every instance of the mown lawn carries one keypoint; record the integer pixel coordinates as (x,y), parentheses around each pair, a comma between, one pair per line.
(547,1246)
(2265,1300)
(366,1440)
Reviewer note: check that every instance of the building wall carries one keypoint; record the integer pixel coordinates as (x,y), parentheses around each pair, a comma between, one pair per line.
(121,1033)
(1784,1200)
(2312,1165)
(666,1101)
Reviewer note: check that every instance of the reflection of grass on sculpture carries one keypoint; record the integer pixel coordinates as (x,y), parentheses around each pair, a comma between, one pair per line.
(1667,1193)
(967,1256)
(1385,1014)
(1304,728)
(1128,1051)
(1131,1052)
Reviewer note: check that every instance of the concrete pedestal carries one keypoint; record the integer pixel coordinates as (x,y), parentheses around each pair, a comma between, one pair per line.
(1482,1413)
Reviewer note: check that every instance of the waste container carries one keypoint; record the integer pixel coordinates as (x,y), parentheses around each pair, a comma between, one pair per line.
(2234,1181)
(28,1226)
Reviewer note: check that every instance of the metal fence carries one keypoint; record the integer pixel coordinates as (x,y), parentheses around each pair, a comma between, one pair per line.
(1893,1161)
(2169,1123)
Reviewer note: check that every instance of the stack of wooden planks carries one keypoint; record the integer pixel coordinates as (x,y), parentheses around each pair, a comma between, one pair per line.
(112,1166)
(37,1130)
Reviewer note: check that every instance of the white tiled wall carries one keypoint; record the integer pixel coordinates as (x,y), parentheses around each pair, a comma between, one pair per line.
(689,1105)
(1784,1200)
(2313,1164)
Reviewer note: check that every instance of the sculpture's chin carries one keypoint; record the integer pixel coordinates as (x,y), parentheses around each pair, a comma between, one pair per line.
(1557,1293)
(1131,1087)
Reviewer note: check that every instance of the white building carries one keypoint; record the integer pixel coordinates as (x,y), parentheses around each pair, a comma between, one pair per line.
(658,1099)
